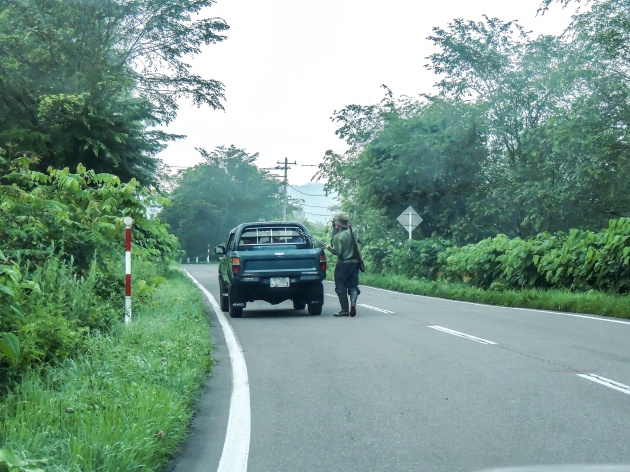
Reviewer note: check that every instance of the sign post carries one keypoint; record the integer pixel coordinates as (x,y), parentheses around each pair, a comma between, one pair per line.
(128,222)
(409,219)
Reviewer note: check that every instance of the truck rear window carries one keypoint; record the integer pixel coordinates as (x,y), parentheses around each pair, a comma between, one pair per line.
(273,236)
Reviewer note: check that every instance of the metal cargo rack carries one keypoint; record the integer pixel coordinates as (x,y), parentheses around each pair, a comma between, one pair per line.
(276,235)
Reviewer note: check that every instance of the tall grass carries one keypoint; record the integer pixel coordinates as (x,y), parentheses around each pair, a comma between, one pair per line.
(52,317)
(126,403)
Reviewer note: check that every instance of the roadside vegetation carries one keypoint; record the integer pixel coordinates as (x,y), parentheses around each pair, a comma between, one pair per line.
(526,135)
(591,302)
(580,272)
(124,402)
(80,390)
(519,166)
(84,88)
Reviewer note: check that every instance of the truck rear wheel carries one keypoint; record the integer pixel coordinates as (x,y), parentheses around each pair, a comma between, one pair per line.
(235,311)
(223,299)
(316,299)
(314,309)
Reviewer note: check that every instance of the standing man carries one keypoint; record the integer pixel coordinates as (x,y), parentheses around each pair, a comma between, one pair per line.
(347,268)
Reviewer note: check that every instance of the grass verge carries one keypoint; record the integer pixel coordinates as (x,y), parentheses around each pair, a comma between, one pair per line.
(592,302)
(124,405)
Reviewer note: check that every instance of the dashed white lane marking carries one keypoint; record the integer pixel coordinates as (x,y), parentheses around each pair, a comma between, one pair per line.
(607,382)
(382,310)
(236,446)
(369,307)
(462,335)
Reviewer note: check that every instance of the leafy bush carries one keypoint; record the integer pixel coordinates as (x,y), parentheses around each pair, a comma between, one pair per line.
(62,257)
(478,264)
(377,255)
(51,316)
(81,213)
(583,260)
(588,260)
(12,288)
(416,259)
(518,267)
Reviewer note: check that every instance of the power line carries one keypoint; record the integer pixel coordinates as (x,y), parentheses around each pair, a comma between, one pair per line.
(315,206)
(316,214)
(308,194)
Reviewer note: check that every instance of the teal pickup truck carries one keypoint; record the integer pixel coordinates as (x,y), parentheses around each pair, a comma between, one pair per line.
(271,261)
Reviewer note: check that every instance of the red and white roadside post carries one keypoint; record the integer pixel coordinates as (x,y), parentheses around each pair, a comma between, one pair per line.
(128,222)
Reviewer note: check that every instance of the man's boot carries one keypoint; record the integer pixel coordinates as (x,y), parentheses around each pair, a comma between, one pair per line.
(354,294)
(343,301)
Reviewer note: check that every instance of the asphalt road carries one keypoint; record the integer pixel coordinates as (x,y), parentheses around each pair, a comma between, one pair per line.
(418,384)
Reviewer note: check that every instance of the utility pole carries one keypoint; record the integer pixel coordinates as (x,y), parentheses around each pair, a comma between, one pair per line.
(286,167)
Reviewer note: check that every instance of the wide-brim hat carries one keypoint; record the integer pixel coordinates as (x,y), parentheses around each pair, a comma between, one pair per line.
(341,219)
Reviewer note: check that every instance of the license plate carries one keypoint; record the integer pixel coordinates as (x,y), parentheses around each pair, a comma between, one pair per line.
(279,282)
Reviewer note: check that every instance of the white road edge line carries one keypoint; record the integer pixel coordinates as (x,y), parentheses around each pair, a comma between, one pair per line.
(462,335)
(607,382)
(236,446)
(549,312)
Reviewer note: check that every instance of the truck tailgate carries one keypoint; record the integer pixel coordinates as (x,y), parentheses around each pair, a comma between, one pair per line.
(279,262)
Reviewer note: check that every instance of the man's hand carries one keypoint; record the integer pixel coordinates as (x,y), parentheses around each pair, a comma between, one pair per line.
(327,246)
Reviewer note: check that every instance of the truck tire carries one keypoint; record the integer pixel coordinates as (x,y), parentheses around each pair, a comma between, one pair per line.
(298,305)
(235,311)
(316,297)
(223,299)
(314,309)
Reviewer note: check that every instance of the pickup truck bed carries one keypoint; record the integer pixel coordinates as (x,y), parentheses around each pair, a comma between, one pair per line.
(273,262)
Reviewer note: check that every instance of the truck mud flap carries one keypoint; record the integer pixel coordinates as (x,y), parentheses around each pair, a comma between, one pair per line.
(316,295)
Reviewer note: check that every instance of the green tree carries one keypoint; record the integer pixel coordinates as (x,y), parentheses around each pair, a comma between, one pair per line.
(589,134)
(431,161)
(213,197)
(552,107)
(425,154)
(87,80)
(541,144)
(358,126)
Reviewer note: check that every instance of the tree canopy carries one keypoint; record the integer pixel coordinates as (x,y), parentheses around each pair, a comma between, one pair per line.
(213,197)
(526,134)
(87,81)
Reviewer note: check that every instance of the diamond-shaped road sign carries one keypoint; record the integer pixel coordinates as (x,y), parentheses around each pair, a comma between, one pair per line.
(409,219)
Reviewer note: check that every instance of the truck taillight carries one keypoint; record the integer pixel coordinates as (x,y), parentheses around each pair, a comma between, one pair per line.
(322,261)
(236,265)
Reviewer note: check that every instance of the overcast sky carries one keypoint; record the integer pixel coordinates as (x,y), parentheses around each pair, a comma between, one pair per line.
(287,65)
